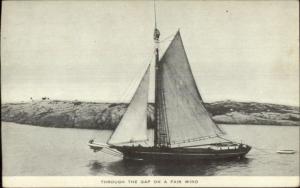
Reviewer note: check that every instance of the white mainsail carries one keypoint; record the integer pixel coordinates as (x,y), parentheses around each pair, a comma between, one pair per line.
(182,115)
(133,125)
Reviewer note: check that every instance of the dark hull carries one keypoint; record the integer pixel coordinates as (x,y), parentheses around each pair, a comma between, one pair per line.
(152,153)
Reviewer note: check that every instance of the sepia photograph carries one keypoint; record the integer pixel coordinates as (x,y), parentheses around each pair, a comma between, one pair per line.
(150,93)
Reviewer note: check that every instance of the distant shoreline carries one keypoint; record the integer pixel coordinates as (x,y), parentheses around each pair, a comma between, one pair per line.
(106,116)
(221,124)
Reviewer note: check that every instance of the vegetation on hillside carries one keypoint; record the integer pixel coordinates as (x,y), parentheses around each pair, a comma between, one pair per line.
(76,114)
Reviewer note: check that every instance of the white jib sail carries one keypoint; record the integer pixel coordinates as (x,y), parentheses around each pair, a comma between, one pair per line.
(133,125)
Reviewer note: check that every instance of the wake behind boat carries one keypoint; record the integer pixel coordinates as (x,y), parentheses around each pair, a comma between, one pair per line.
(183,129)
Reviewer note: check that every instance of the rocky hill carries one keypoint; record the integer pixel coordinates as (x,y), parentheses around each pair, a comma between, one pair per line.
(76,114)
(230,112)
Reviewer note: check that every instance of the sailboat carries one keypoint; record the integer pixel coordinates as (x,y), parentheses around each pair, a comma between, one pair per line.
(184,130)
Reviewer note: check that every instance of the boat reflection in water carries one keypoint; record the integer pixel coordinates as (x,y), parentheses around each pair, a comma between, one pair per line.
(164,168)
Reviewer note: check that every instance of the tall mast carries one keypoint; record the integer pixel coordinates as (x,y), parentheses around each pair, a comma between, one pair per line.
(157,77)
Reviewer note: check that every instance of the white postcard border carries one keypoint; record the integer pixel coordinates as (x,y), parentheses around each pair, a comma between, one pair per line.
(150,181)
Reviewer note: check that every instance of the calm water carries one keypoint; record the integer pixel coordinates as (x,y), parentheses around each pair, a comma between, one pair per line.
(29,150)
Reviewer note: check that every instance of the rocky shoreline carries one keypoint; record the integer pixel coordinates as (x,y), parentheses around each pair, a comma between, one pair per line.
(106,116)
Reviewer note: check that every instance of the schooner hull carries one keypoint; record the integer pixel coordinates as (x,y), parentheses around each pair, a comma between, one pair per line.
(151,153)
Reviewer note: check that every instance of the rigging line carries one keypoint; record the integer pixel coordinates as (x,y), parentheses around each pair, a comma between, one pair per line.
(114,151)
(148,67)
(155,15)
(133,81)
(111,154)
(163,49)
(193,139)
(199,145)
(126,93)
(168,37)
(165,116)
(131,85)
(110,150)
(226,139)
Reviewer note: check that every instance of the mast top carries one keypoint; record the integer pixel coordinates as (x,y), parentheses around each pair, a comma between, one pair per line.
(155,14)
(156,31)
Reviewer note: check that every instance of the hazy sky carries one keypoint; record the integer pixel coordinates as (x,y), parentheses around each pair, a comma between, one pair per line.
(97,50)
